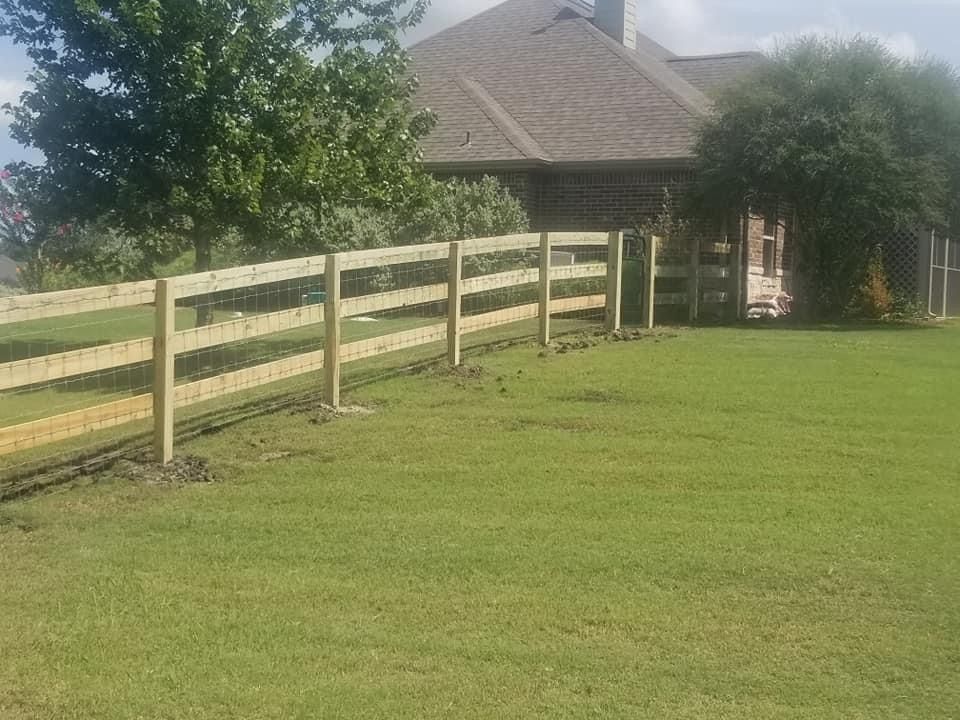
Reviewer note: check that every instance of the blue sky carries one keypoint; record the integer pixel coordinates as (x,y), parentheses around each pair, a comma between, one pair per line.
(909,27)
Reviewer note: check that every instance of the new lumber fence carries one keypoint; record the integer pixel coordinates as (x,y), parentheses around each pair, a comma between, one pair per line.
(98,372)
(92,374)
(683,281)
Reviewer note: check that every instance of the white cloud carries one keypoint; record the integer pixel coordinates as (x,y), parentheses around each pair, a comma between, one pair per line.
(688,27)
(10,90)
(835,24)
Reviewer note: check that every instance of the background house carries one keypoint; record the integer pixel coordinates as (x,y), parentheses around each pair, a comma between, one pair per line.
(584,118)
(8,272)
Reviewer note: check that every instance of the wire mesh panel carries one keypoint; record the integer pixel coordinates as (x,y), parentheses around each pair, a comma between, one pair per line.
(673,259)
(245,329)
(83,372)
(500,293)
(75,368)
(944,290)
(394,307)
(579,281)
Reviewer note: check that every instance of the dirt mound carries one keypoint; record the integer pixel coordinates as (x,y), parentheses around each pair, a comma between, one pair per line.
(182,470)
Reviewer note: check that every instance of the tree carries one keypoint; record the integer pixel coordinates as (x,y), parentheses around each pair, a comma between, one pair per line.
(25,233)
(210,117)
(442,211)
(854,139)
(461,210)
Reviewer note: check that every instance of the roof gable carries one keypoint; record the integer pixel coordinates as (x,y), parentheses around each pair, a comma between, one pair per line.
(535,81)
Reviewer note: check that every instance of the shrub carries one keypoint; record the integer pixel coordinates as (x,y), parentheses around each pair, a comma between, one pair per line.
(875,301)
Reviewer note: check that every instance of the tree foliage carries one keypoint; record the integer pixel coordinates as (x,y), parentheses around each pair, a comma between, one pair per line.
(856,140)
(444,211)
(207,117)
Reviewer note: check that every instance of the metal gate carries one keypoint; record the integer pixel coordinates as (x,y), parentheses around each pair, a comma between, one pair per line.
(944,295)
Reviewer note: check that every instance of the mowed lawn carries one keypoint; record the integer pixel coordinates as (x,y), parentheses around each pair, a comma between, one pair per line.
(728,523)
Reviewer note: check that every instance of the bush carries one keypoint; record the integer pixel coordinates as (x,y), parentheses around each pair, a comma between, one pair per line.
(874,299)
(443,212)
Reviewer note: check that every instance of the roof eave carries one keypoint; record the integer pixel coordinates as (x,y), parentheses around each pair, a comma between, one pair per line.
(495,166)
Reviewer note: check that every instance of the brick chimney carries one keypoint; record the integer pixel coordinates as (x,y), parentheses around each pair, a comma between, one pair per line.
(618,19)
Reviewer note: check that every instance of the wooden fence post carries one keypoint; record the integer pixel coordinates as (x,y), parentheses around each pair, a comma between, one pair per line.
(454,302)
(650,283)
(693,285)
(164,378)
(545,271)
(737,275)
(331,321)
(614,281)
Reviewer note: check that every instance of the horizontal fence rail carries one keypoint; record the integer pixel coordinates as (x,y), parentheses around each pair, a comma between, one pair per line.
(331,302)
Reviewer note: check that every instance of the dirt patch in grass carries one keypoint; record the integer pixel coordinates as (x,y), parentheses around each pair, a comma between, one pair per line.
(182,470)
(585,341)
(567,425)
(324,414)
(604,397)
(461,372)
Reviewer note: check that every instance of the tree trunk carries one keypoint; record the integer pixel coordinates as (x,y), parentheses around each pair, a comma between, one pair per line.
(202,247)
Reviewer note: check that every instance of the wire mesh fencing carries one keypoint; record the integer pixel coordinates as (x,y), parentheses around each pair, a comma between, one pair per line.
(92,374)
(943,292)
(71,363)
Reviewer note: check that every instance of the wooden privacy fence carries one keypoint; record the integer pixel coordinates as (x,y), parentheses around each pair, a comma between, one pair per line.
(584,256)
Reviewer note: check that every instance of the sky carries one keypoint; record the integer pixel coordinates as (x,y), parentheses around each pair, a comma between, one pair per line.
(909,27)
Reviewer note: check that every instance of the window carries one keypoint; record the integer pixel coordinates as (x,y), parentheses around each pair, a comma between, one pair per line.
(770,244)
(770,225)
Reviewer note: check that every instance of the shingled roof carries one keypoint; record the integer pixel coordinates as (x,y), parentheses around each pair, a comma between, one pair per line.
(533,82)
(709,73)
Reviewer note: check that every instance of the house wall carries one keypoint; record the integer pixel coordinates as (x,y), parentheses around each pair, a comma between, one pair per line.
(760,283)
(599,200)
(566,202)
(604,200)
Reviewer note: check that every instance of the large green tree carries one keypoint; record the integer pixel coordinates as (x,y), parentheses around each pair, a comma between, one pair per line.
(854,139)
(213,116)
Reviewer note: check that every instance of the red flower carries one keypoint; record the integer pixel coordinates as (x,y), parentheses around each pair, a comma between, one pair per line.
(5,174)
(19,217)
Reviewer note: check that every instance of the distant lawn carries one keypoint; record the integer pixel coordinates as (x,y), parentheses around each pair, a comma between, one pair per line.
(730,523)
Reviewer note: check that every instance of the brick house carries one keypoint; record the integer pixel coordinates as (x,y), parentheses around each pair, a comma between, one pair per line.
(584,119)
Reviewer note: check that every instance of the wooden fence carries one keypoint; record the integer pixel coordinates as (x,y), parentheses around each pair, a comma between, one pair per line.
(708,273)
(165,396)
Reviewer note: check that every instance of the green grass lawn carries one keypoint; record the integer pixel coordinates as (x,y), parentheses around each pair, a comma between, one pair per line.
(728,523)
